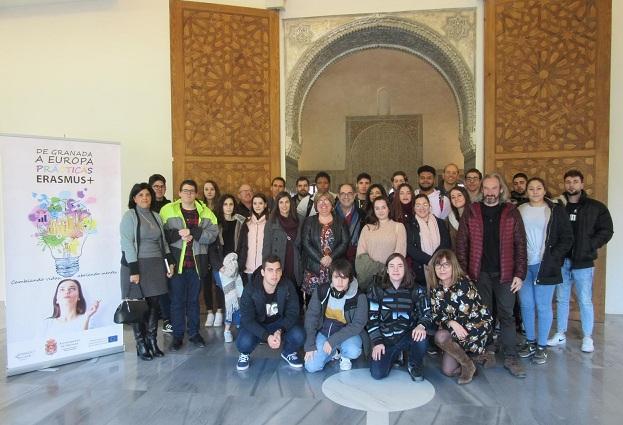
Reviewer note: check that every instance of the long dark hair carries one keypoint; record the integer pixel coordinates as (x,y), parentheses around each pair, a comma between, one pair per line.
(454,209)
(217,194)
(371,218)
(220,215)
(263,198)
(274,214)
(395,210)
(407,280)
(81,305)
(136,189)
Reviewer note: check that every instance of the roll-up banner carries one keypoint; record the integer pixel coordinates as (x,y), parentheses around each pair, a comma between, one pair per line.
(61,213)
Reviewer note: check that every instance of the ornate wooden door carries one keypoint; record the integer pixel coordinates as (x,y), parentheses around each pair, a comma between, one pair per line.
(225,94)
(547,84)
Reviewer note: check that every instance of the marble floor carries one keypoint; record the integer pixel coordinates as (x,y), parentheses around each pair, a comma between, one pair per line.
(202,386)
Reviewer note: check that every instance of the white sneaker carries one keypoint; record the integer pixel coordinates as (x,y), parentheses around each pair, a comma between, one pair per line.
(587,344)
(345,363)
(218,319)
(559,338)
(209,320)
(228,336)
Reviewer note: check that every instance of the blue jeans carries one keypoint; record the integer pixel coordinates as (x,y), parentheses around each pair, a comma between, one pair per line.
(536,299)
(349,348)
(293,338)
(379,369)
(185,290)
(583,279)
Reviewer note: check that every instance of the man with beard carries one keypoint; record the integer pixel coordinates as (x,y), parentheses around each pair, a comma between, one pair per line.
(450,179)
(491,248)
(592,229)
(353,217)
(302,199)
(518,194)
(439,204)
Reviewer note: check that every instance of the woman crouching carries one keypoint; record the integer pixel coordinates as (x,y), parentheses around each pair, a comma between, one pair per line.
(399,315)
(464,322)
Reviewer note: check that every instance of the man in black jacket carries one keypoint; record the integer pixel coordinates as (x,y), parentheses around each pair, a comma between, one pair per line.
(269,312)
(592,228)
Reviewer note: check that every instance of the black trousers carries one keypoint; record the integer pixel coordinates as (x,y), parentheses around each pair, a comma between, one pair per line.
(489,287)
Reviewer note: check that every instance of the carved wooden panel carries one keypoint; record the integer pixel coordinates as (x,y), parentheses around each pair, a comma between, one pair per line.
(225,93)
(547,82)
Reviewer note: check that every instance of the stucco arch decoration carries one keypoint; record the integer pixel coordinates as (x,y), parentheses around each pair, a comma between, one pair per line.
(381,31)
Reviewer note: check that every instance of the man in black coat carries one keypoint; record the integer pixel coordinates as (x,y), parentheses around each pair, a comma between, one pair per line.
(592,229)
(269,312)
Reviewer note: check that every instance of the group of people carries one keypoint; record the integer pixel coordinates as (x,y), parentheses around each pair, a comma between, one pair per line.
(335,275)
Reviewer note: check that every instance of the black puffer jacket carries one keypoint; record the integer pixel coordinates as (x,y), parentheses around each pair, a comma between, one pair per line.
(558,241)
(594,230)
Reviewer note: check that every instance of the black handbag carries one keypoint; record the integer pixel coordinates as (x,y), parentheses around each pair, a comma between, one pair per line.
(131,310)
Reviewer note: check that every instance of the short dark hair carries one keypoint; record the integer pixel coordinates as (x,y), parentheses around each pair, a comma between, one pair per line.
(189,182)
(136,189)
(399,173)
(524,175)
(363,176)
(342,267)
(302,179)
(474,170)
(426,169)
(574,173)
(272,258)
(322,174)
(156,177)
(339,188)
(278,178)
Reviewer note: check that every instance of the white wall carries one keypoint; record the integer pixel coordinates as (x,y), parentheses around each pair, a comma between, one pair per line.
(99,69)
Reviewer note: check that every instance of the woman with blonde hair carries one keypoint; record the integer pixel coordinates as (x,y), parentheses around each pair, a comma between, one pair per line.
(464,322)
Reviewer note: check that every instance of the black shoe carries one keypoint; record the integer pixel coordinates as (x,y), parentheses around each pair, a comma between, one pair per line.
(152,344)
(142,351)
(198,341)
(416,372)
(176,344)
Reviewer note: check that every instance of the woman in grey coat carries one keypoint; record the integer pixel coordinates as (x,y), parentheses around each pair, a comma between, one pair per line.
(144,254)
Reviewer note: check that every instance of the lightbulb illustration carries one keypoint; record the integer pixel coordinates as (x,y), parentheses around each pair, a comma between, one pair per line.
(63,224)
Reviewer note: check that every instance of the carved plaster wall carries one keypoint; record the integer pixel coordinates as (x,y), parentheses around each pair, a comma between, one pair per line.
(444,38)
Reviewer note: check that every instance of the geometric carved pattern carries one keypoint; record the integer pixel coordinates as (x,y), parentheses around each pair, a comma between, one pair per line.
(549,169)
(230,175)
(547,88)
(545,64)
(225,94)
(395,140)
(226,72)
(385,31)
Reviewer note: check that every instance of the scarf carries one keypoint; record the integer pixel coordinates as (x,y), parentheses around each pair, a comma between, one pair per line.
(289,225)
(429,234)
(454,222)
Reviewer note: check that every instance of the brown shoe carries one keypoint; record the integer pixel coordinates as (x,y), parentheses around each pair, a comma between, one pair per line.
(486,359)
(514,366)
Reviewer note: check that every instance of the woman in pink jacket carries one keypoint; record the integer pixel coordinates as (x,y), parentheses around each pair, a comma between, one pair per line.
(252,238)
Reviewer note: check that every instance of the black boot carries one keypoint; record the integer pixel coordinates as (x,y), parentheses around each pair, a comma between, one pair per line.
(152,332)
(141,346)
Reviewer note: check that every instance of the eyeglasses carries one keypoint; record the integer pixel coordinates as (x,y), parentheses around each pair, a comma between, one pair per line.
(187,191)
(443,266)
(347,194)
(472,179)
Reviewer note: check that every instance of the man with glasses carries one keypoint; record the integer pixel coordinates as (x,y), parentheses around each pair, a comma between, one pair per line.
(245,198)
(491,248)
(159,184)
(189,227)
(347,211)
(473,178)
